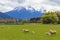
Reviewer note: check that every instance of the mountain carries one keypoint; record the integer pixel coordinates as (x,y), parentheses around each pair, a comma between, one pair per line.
(4,16)
(23,13)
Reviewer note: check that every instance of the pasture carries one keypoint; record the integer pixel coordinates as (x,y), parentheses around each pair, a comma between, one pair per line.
(15,32)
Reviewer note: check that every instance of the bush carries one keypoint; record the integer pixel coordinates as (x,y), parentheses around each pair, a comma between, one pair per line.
(49,17)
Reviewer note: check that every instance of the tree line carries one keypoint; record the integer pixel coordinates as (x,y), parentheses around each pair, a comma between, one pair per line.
(47,18)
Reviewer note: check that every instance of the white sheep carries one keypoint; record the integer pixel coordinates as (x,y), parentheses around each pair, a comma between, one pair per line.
(52,32)
(33,32)
(26,30)
(48,33)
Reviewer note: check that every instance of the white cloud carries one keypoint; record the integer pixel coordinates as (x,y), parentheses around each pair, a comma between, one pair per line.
(46,4)
(7,5)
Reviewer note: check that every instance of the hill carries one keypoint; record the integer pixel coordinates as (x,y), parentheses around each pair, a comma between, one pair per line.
(4,16)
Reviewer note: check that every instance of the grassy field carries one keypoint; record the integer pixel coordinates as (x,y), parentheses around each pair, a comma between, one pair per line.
(15,32)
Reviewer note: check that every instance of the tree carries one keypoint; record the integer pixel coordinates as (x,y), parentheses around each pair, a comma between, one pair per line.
(25,21)
(58,14)
(49,17)
(35,20)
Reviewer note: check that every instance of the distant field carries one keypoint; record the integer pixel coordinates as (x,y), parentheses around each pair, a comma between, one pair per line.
(15,32)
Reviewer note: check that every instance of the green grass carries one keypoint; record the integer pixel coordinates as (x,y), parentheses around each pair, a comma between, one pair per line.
(15,32)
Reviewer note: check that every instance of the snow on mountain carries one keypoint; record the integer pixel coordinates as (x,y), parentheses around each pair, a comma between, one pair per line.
(25,13)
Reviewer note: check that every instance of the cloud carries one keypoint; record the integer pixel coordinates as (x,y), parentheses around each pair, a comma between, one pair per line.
(49,5)
(7,5)
(52,2)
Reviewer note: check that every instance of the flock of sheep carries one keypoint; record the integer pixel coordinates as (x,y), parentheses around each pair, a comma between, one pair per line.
(49,33)
(27,31)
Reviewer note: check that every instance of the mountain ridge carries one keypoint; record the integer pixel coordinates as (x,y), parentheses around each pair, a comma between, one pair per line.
(24,14)
(21,13)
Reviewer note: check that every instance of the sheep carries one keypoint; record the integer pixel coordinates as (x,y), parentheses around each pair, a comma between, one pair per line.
(48,33)
(52,32)
(33,32)
(26,30)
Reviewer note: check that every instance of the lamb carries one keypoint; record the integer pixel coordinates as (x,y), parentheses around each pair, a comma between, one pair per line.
(48,33)
(33,32)
(52,31)
(26,30)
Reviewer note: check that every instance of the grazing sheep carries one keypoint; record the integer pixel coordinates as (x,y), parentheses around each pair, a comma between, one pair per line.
(52,32)
(33,32)
(25,30)
(48,33)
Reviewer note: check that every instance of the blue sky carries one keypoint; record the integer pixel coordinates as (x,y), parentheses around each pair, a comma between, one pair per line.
(49,5)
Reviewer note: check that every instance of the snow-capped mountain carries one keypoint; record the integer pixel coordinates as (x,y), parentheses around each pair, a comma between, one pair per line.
(23,13)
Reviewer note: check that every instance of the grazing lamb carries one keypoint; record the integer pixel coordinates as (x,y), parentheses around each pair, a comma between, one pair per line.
(33,32)
(25,30)
(48,33)
(52,31)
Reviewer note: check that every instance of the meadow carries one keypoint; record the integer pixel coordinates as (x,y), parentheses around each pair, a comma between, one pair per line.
(15,32)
